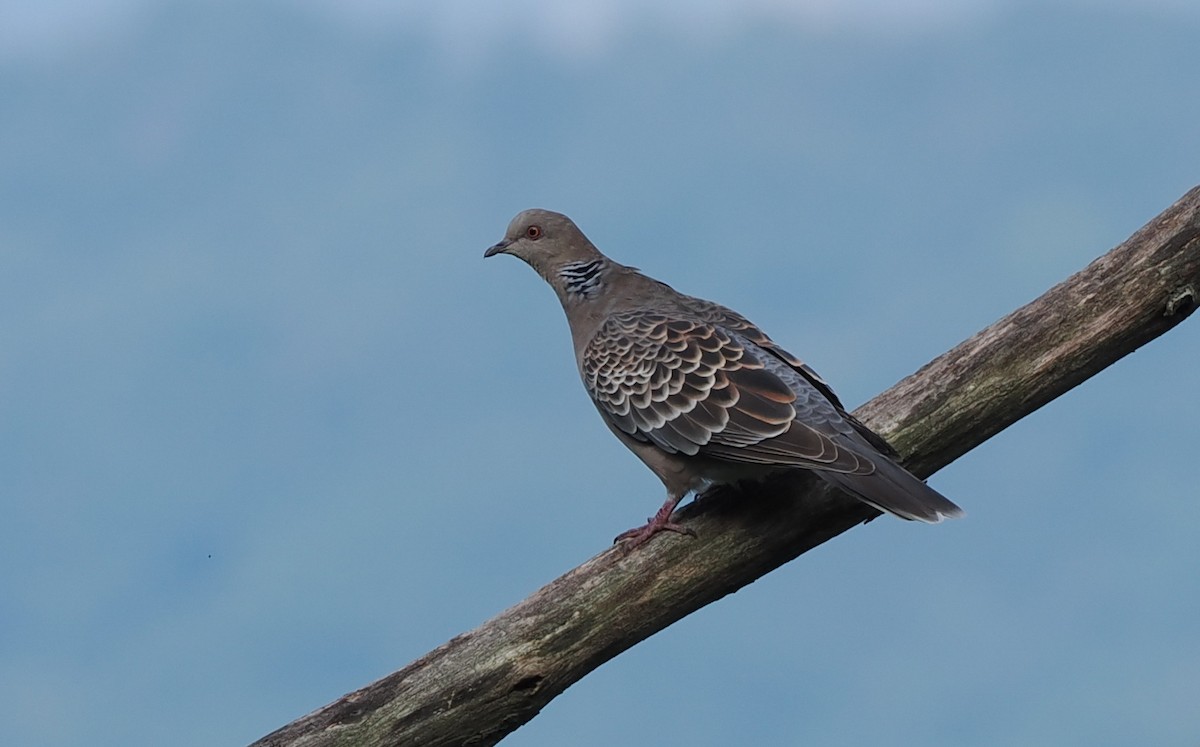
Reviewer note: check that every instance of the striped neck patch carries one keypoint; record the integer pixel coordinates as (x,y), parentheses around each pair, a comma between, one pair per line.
(584,279)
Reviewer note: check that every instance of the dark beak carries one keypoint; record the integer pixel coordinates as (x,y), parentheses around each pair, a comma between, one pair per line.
(497,248)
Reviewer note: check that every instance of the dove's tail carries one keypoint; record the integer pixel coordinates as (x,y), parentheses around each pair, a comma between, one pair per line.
(892,489)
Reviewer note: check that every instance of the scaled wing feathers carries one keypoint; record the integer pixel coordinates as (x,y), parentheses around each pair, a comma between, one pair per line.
(695,387)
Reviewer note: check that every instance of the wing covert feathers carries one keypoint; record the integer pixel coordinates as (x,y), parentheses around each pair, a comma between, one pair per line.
(714,385)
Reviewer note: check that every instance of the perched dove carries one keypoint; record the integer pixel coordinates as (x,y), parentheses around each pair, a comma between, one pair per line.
(699,393)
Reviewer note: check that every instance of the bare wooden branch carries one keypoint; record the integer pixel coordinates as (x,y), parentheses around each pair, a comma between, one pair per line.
(481,685)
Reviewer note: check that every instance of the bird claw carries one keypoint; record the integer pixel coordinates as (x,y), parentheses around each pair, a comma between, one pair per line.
(641,535)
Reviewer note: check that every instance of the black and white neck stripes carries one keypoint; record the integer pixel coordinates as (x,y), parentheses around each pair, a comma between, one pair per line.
(583,279)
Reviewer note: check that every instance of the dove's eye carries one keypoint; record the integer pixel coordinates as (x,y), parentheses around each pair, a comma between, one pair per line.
(534,232)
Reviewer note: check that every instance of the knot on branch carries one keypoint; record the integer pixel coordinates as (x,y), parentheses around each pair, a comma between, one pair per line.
(528,683)
(1182,302)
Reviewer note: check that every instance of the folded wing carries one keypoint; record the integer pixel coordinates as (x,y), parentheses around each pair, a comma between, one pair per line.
(696,387)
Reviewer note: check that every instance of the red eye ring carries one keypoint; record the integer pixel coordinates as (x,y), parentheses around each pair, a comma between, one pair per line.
(534,232)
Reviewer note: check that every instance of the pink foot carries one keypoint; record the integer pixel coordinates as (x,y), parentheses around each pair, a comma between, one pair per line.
(660,522)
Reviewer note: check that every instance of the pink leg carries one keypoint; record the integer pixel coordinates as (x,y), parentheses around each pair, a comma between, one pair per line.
(660,522)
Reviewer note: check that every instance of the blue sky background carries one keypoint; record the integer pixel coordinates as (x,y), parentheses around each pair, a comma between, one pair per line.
(270,427)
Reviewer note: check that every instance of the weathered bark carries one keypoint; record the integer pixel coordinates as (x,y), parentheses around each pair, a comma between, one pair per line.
(481,685)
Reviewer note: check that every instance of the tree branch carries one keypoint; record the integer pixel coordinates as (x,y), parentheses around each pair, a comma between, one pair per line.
(481,685)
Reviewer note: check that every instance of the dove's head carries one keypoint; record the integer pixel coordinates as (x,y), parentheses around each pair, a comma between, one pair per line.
(547,241)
